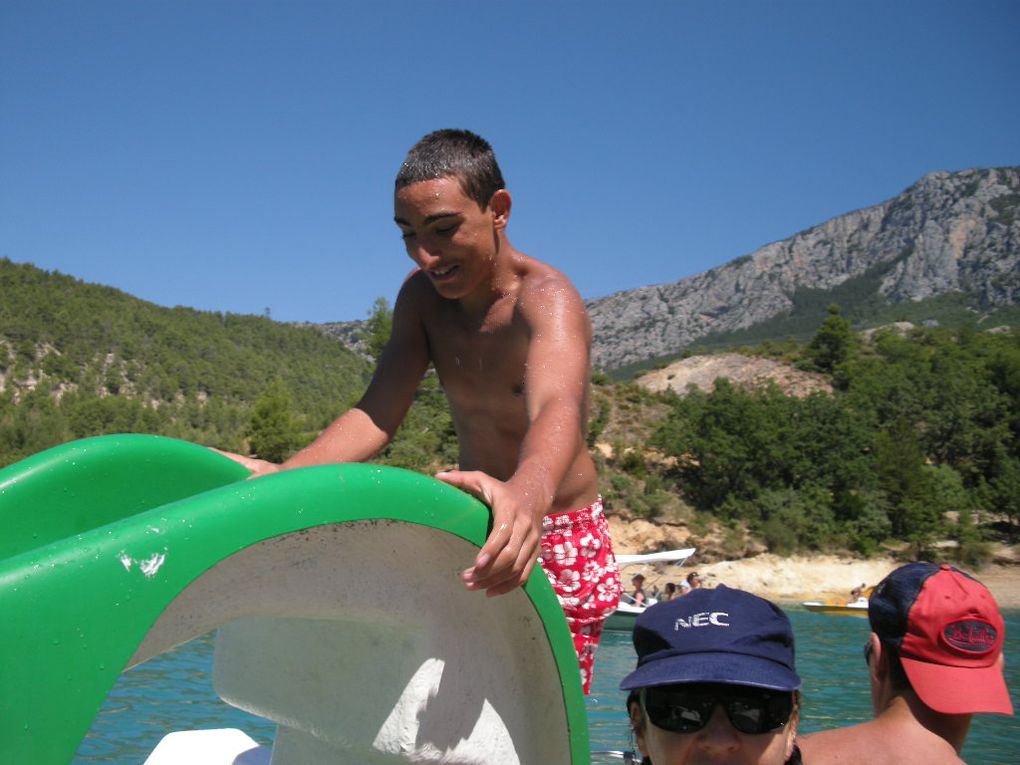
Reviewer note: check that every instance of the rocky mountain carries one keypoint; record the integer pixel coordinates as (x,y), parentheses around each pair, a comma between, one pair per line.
(950,233)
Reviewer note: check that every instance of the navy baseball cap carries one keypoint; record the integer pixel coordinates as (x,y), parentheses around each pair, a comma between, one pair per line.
(718,635)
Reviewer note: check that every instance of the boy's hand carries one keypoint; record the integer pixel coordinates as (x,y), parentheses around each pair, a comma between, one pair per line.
(511,551)
(256,466)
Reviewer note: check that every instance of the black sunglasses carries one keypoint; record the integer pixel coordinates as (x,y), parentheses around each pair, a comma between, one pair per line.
(687,707)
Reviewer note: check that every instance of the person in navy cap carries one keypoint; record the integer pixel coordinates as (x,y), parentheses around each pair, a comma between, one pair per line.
(715,681)
(934,660)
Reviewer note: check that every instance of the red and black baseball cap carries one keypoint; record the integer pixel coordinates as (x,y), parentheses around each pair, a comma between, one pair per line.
(948,632)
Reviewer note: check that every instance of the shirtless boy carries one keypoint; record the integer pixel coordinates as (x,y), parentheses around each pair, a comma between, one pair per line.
(510,340)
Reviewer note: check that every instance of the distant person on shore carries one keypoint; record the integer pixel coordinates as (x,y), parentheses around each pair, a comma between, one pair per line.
(510,341)
(716,681)
(935,660)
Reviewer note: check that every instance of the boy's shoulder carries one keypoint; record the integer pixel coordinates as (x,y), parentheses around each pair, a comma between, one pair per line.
(538,277)
(878,742)
(416,289)
(548,291)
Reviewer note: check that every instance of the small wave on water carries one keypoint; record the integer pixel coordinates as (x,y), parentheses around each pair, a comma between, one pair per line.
(174,692)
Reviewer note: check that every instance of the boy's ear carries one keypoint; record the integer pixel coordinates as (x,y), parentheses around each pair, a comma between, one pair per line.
(878,676)
(500,205)
(878,666)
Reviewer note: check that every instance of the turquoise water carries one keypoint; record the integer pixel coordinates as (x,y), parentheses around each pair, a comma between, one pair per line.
(173,692)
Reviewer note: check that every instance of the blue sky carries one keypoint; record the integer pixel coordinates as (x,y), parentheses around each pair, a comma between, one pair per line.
(239,156)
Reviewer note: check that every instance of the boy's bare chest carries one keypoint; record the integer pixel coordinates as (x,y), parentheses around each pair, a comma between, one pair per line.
(479,364)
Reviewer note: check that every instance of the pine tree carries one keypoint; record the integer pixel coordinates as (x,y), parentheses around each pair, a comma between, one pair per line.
(832,343)
(272,430)
(378,327)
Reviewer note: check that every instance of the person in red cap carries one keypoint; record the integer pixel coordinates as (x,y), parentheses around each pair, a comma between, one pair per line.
(935,660)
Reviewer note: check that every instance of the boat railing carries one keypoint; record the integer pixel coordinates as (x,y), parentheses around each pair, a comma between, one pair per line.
(627,757)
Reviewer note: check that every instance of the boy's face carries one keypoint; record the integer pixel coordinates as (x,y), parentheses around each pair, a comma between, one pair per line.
(451,239)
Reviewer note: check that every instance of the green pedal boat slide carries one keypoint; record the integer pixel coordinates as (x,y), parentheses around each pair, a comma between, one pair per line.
(334,590)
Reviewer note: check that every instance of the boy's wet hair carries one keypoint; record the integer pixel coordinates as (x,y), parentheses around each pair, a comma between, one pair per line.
(458,153)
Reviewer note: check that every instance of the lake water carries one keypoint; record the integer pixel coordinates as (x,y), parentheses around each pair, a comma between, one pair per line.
(174,692)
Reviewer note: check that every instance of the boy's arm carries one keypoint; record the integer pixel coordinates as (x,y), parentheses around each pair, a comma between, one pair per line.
(362,431)
(555,385)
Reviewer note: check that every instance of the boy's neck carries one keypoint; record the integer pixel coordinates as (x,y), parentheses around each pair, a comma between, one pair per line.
(502,282)
(951,728)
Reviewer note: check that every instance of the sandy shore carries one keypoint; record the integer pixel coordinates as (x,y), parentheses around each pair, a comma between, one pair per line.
(798,578)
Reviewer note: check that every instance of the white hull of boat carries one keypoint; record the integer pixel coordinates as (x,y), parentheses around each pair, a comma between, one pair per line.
(623,618)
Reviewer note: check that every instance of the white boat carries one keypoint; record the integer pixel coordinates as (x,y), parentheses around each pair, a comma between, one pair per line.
(622,619)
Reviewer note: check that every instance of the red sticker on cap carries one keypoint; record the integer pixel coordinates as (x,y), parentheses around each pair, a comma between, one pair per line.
(971,636)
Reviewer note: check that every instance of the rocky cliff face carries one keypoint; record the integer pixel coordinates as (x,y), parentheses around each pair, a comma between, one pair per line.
(950,232)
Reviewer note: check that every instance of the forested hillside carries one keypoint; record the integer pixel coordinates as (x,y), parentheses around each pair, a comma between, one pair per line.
(79,359)
(913,442)
(918,443)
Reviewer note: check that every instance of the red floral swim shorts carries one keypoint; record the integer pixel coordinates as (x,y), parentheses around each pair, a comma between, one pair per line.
(577,557)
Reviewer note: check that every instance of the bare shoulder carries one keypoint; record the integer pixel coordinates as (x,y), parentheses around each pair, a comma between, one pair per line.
(839,745)
(413,305)
(877,744)
(547,292)
(416,290)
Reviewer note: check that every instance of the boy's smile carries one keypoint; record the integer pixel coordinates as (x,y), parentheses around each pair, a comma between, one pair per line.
(451,239)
